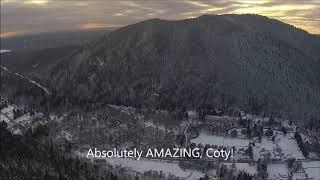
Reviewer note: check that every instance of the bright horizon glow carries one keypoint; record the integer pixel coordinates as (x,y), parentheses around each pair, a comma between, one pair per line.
(98,25)
(37,2)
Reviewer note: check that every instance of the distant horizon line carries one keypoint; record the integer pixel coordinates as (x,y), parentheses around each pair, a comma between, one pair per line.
(25,34)
(9,35)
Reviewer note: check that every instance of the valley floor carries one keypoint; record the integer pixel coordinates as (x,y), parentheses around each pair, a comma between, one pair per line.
(262,149)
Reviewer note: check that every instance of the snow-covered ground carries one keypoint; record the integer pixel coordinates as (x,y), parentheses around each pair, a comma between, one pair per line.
(192,114)
(124,109)
(151,124)
(277,171)
(17,125)
(221,118)
(266,146)
(65,134)
(148,165)
(22,118)
(312,169)
(299,176)
(7,110)
(7,113)
(4,51)
(4,118)
(289,146)
(243,167)
(220,140)
(283,144)
(144,165)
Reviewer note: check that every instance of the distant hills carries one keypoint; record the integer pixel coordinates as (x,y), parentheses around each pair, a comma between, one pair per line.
(247,61)
(35,53)
(34,42)
(37,61)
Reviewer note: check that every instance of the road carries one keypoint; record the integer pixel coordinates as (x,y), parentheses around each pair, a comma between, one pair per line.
(27,79)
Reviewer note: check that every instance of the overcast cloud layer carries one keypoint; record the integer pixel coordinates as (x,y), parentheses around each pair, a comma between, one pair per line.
(36,16)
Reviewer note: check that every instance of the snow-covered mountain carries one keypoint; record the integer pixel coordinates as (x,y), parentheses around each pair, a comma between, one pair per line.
(248,61)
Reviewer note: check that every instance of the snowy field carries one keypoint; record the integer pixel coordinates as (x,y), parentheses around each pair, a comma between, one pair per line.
(243,167)
(277,171)
(283,144)
(152,165)
(289,146)
(264,147)
(312,168)
(220,141)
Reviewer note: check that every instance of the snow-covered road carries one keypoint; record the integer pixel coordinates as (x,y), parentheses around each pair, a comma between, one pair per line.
(27,79)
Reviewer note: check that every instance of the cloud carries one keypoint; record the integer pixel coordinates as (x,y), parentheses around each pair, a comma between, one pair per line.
(197,3)
(98,25)
(36,2)
(8,34)
(55,15)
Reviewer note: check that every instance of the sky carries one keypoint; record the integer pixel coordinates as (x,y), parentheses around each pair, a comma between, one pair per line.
(20,17)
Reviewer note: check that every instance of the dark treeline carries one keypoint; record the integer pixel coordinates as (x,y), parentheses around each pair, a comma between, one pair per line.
(34,156)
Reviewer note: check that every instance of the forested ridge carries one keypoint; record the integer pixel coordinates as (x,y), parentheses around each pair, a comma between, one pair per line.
(250,62)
